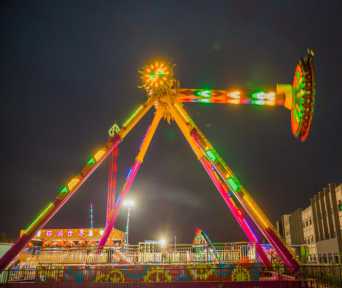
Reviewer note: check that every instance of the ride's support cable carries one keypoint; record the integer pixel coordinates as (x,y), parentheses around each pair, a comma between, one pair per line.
(112,182)
(66,191)
(241,194)
(222,189)
(131,176)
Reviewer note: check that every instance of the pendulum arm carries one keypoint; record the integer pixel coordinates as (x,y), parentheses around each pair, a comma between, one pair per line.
(239,192)
(112,181)
(233,96)
(223,190)
(298,97)
(131,176)
(68,190)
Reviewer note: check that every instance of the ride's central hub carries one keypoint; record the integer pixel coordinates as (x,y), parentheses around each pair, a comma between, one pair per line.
(158,81)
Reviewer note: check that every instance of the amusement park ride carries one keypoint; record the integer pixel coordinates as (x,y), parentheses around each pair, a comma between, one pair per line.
(166,96)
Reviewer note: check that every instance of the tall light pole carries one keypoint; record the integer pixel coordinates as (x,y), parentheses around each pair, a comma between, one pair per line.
(129,204)
(91,216)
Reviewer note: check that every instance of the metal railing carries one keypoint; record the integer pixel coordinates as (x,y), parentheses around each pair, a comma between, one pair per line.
(307,276)
(182,254)
(322,275)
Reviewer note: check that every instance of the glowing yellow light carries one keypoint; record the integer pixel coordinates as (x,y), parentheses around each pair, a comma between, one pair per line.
(99,154)
(252,205)
(40,216)
(234,101)
(73,183)
(270,95)
(227,175)
(163,243)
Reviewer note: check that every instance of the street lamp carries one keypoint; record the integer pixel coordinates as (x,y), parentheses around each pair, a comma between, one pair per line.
(162,243)
(129,204)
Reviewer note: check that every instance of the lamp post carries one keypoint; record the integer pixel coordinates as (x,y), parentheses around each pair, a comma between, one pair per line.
(163,244)
(129,204)
(91,216)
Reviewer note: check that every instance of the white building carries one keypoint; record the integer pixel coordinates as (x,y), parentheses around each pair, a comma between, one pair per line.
(309,233)
(320,225)
(327,225)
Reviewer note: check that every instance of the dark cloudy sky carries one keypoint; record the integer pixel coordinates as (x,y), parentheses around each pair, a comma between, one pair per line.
(69,71)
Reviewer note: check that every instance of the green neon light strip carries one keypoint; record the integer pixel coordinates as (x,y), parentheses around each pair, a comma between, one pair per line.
(91,161)
(133,115)
(160,73)
(233,184)
(152,75)
(63,190)
(204,101)
(40,216)
(257,94)
(203,93)
(257,101)
(211,155)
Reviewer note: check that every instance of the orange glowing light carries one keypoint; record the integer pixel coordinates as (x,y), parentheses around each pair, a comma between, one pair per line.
(157,77)
(99,154)
(73,183)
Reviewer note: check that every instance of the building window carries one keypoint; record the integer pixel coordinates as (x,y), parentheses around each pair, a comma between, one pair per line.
(340,205)
(336,259)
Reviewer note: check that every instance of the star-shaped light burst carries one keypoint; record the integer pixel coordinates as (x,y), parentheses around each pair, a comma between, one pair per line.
(157,77)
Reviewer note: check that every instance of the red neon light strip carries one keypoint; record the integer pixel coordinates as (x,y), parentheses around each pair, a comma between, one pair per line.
(115,212)
(236,212)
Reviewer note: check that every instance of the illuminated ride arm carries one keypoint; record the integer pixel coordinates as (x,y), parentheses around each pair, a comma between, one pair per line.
(194,135)
(112,181)
(298,97)
(66,191)
(221,187)
(270,98)
(131,176)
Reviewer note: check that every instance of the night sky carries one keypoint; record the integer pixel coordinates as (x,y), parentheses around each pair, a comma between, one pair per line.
(69,71)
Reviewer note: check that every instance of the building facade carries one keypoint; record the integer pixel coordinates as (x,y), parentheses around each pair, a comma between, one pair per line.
(290,228)
(309,233)
(318,226)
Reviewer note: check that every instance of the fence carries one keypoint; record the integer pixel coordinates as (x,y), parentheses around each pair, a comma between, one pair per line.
(182,254)
(139,275)
(322,275)
(134,275)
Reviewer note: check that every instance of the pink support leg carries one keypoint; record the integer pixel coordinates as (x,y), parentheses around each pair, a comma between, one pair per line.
(236,212)
(115,212)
